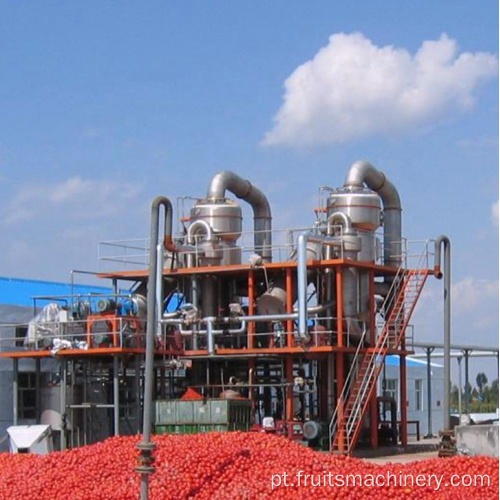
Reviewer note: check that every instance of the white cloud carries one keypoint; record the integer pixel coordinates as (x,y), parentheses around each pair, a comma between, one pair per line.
(77,197)
(474,310)
(352,88)
(470,294)
(494,213)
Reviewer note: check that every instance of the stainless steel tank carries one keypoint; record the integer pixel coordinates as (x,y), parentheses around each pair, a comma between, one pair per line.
(225,220)
(363,206)
(223,216)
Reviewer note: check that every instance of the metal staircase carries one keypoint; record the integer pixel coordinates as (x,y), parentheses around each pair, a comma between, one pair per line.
(361,380)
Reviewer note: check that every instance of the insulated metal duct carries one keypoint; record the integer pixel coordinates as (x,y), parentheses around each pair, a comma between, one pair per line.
(362,172)
(244,190)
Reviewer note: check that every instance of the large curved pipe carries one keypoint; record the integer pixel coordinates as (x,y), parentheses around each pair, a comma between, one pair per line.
(146,447)
(362,172)
(244,190)
(445,242)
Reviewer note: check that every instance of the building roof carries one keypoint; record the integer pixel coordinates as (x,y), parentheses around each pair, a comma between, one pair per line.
(20,292)
(393,360)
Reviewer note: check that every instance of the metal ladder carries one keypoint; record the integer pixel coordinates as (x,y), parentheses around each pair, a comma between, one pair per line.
(360,383)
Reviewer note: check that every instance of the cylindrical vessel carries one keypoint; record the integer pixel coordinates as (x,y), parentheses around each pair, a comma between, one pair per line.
(363,206)
(360,204)
(225,219)
(223,216)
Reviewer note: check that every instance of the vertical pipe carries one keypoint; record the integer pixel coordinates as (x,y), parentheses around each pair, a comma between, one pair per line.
(85,398)
(15,391)
(467,392)
(289,396)
(402,391)
(289,307)
(137,388)
(251,309)
(459,359)
(340,307)
(64,381)
(372,333)
(302,284)
(116,396)
(210,336)
(444,241)
(159,289)
(38,390)
(194,300)
(428,351)
(146,447)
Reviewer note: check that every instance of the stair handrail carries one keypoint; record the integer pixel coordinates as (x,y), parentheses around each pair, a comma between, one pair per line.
(390,304)
(347,387)
(349,379)
(384,337)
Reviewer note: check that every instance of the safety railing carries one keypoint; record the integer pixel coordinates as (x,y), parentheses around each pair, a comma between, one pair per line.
(134,253)
(397,309)
(93,332)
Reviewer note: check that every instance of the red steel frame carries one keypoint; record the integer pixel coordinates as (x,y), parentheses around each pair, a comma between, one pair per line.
(338,350)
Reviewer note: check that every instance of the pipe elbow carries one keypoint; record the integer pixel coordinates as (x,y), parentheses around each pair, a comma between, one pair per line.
(442,241)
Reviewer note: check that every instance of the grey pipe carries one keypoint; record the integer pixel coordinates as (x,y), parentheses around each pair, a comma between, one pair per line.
(194,280)
(428,352)
(341,217)
(240,329)
(210,336)
(302,276)
(195,226)
(146,447)
(244,190)
(363,172)
(445,242)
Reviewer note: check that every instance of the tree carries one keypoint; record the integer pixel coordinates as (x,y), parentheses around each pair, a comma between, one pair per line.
(481,381)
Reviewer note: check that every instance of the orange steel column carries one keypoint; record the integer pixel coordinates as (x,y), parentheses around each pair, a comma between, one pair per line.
(289,308)
(340,356)
(402,378)
(251,294)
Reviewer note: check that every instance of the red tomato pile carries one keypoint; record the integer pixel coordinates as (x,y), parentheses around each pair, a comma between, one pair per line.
(230,466)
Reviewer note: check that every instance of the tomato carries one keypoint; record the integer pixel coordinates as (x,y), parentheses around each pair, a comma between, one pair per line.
(236,465)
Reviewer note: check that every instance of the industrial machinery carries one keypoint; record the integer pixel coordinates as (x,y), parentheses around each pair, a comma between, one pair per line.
(296,322)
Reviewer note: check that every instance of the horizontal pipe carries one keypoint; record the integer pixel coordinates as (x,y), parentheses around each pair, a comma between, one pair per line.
(241,329)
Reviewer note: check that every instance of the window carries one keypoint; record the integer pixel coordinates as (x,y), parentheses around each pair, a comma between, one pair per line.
(418,395)
(21,332)
(390,388)
(26,392)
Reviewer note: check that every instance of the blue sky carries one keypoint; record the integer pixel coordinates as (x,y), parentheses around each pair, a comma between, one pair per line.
(104,105)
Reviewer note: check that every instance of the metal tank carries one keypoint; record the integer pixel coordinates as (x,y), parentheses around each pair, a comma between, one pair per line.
(363,207)
(224,218)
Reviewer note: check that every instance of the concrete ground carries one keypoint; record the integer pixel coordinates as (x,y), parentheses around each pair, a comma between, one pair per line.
(415,451)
